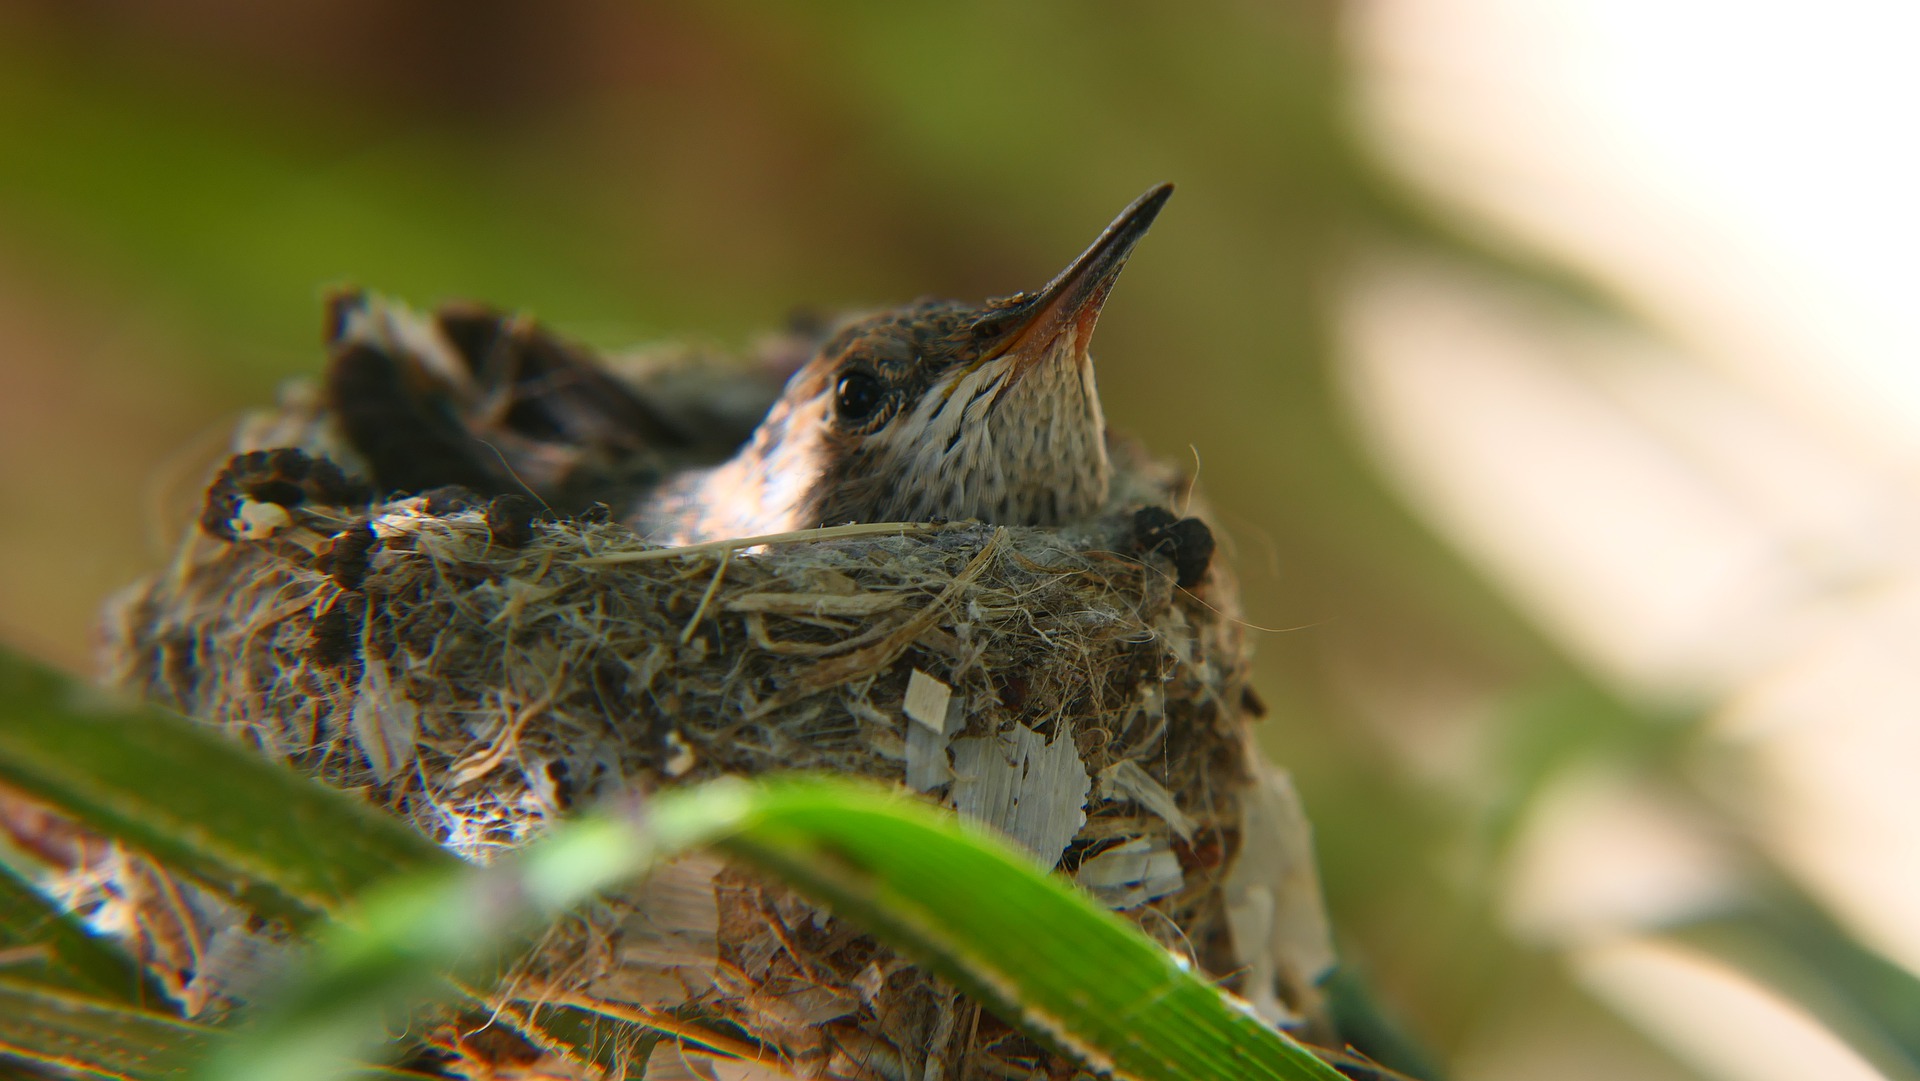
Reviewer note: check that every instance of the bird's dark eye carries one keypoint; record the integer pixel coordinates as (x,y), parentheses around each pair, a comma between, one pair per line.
(858,396)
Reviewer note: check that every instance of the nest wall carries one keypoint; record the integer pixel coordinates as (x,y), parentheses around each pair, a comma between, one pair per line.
(482,675)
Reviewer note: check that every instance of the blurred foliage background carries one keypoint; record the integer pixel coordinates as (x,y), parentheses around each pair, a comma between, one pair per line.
(1533,837)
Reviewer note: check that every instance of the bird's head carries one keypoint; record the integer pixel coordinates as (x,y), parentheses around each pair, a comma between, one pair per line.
(945,410)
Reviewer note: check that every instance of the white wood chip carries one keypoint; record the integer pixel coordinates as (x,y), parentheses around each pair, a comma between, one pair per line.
(384,721)
(668,943)
(1126,779)
(1131,874)
(926,702)
(926,744)
(675,918)
(1275,915)
(807,1006)
(681,756)
(237,964)
(927,767)
(258,521)
(1033,791)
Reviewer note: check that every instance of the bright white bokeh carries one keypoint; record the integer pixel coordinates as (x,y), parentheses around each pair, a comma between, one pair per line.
(1717,510)
(1717,1020)
(1744,173)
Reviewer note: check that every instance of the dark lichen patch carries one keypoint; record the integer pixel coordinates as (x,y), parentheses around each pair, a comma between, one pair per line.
(348,555)
(510,520)
(1185,542)
(284,477)
(335,634)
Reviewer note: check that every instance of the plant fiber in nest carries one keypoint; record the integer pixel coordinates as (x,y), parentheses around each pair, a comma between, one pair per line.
(1057,684)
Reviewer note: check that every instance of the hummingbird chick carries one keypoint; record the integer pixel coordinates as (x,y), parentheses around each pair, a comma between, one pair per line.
(937,410)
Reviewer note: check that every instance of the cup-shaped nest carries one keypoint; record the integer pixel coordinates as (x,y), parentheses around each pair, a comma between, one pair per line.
(480,670)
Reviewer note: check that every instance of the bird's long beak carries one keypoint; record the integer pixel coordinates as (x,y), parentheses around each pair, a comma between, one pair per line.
(1030,327)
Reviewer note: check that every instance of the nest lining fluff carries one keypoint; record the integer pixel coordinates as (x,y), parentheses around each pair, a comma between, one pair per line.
(1056,684)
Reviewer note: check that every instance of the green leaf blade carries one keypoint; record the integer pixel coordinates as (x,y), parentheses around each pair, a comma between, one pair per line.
(197,801)
(949,895)
(979,913)
(86,1037)
(50,947)
(92,1038)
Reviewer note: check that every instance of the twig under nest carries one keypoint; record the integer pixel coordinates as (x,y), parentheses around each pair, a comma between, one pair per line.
(480,674)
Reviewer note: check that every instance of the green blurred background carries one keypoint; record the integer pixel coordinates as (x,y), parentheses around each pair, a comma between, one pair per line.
(179,181)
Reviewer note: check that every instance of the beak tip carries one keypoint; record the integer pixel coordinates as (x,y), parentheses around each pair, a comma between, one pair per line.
(1140,213)
(1078,293)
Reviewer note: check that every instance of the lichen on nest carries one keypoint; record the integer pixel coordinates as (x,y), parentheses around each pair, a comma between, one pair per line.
(481,671)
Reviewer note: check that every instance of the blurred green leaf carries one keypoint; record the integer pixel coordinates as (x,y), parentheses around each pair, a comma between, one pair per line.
(409,935)
(241,208)
(276,843)
(1363,1023)
(47,946)
(83,1037)
(93,1038)
(1025,944)
(1784,940)
(952,895)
